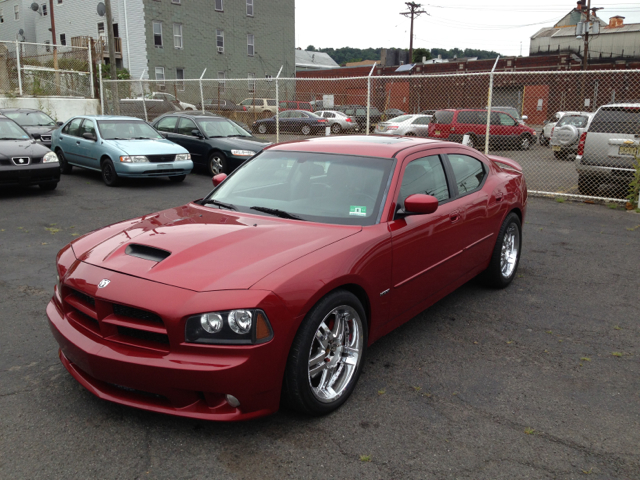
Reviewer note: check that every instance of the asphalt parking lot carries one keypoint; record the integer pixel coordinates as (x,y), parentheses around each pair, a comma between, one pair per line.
(540,380)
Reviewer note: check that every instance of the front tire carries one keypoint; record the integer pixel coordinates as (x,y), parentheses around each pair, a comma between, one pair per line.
(48,186)
(177,178)
(336,128)
(109,175)
(305,130)
(506,253)
(262,128)
(544,141)
(326,357)
(64,165)
(217,164)
(525,142)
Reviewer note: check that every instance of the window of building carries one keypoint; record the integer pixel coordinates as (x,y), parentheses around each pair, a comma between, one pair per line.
(63,39)
(180,78)
(251,79)
(177,35)
(160,75)
(220,38)
(249,8)
(157,34)
(219,5)
(250,45)
(45,11)
(59,2)
(47,47)
(1,16)
(221,77)
(16,12)
(177,2)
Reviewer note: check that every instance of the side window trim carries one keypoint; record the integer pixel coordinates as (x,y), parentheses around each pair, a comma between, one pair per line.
(448,175)
(179,125)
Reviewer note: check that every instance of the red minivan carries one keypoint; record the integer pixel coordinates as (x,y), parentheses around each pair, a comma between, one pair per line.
(505,131)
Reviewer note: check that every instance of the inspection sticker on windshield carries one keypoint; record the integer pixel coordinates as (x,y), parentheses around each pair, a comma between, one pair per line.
(358,211)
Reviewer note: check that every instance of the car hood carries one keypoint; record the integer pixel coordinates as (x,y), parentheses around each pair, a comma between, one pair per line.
(17,148)
(209,249)
(241,143)
(147,147)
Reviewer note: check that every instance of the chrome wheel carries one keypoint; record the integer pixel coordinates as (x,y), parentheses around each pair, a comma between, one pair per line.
(335,353)
(306,129)
(262,128)
(509,253)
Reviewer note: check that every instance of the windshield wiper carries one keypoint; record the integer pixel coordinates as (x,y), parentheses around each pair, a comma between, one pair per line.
(277,213)
(13,138)
(228,206)
(141,138)
(238,136)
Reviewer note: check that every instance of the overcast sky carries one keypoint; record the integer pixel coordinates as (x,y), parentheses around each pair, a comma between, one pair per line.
(499,25)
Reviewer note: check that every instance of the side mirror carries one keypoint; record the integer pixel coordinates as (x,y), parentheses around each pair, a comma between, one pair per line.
(420,204)
(218,179)
(35,136)
(89,136)
(197,133)
(59,124)
(524,117)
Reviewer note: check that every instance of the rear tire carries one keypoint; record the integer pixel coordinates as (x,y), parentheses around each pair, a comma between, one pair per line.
(262,128)
(64,166)
(525,142)
(560,155)
(544,141)
(109,175)
(587,185)
(305,130)
(506,253)
(336,128)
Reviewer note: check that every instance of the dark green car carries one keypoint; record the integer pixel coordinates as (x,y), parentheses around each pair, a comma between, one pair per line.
(216,143)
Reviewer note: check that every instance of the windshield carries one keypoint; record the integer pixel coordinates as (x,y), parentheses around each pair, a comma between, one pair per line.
(578,121)
(510,110)
(402,118)
(10,131)
(126,130)
(318,187)
(219,127)
(31,119)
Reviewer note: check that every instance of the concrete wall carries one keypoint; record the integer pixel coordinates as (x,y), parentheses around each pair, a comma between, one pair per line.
(60,109)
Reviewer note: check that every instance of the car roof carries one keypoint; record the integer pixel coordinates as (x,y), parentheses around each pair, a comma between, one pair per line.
(192,115)
(19,109)
(385,146)
(634,105)
(107,117)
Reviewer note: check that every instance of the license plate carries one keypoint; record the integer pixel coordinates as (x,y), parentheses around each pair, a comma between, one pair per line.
(556,148)
(163,165)
(437,132)
(628,150)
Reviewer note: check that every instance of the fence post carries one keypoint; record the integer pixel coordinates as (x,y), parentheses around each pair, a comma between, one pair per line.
(488,131)
(144,102)
(19,67)
(277,107)
(369,97)
(101,90)
(90,70)
(201,94)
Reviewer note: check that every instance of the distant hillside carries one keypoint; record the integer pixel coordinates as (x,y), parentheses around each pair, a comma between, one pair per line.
(347,54)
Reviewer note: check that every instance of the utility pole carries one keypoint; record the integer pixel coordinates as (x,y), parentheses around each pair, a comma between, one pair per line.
(112,57)
(585,57)
(413,13)
(54,43)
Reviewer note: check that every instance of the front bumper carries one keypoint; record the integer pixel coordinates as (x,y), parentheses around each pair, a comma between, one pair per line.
(29,174)
(189,380)
(149,169)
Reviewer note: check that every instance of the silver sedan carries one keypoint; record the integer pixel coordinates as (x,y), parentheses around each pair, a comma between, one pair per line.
(338,121)
(409,125)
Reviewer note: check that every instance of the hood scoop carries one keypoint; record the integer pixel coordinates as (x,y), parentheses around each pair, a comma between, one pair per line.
(146,253)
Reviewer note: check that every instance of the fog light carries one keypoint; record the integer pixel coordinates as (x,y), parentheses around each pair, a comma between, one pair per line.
(211,322)
(233,401)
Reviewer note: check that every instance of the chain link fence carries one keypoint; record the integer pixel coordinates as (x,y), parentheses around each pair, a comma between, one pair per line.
(45,70)
(575,133)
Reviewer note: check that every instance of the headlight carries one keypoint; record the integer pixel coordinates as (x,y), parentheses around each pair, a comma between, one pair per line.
(134,159)
(50,158)
(183,156)
(245,326)
(242,153)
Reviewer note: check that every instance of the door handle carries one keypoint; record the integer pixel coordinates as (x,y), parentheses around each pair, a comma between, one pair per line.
(454,216)
(77,143)
(499,197)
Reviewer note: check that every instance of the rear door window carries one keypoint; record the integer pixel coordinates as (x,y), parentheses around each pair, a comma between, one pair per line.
(444,117)
(469,172)
(616,120)
(271,103)
(426,176)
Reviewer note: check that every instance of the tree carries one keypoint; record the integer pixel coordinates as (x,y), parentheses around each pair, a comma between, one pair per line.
(418,53)
(311,48)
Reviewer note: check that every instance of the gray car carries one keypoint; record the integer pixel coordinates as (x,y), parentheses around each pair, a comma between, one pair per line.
(409,125)
(339,121)
(607,149)
(566,134)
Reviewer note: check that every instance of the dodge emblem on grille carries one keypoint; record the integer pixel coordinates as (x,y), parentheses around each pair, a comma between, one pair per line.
(103,283)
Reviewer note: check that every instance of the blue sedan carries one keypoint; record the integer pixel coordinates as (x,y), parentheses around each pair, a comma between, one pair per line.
(119,147)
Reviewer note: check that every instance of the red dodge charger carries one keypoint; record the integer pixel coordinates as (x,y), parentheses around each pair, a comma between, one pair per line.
(272,287)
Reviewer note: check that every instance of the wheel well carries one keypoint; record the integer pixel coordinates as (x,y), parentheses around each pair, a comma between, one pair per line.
(359,292)
(518,212)
(104,157)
